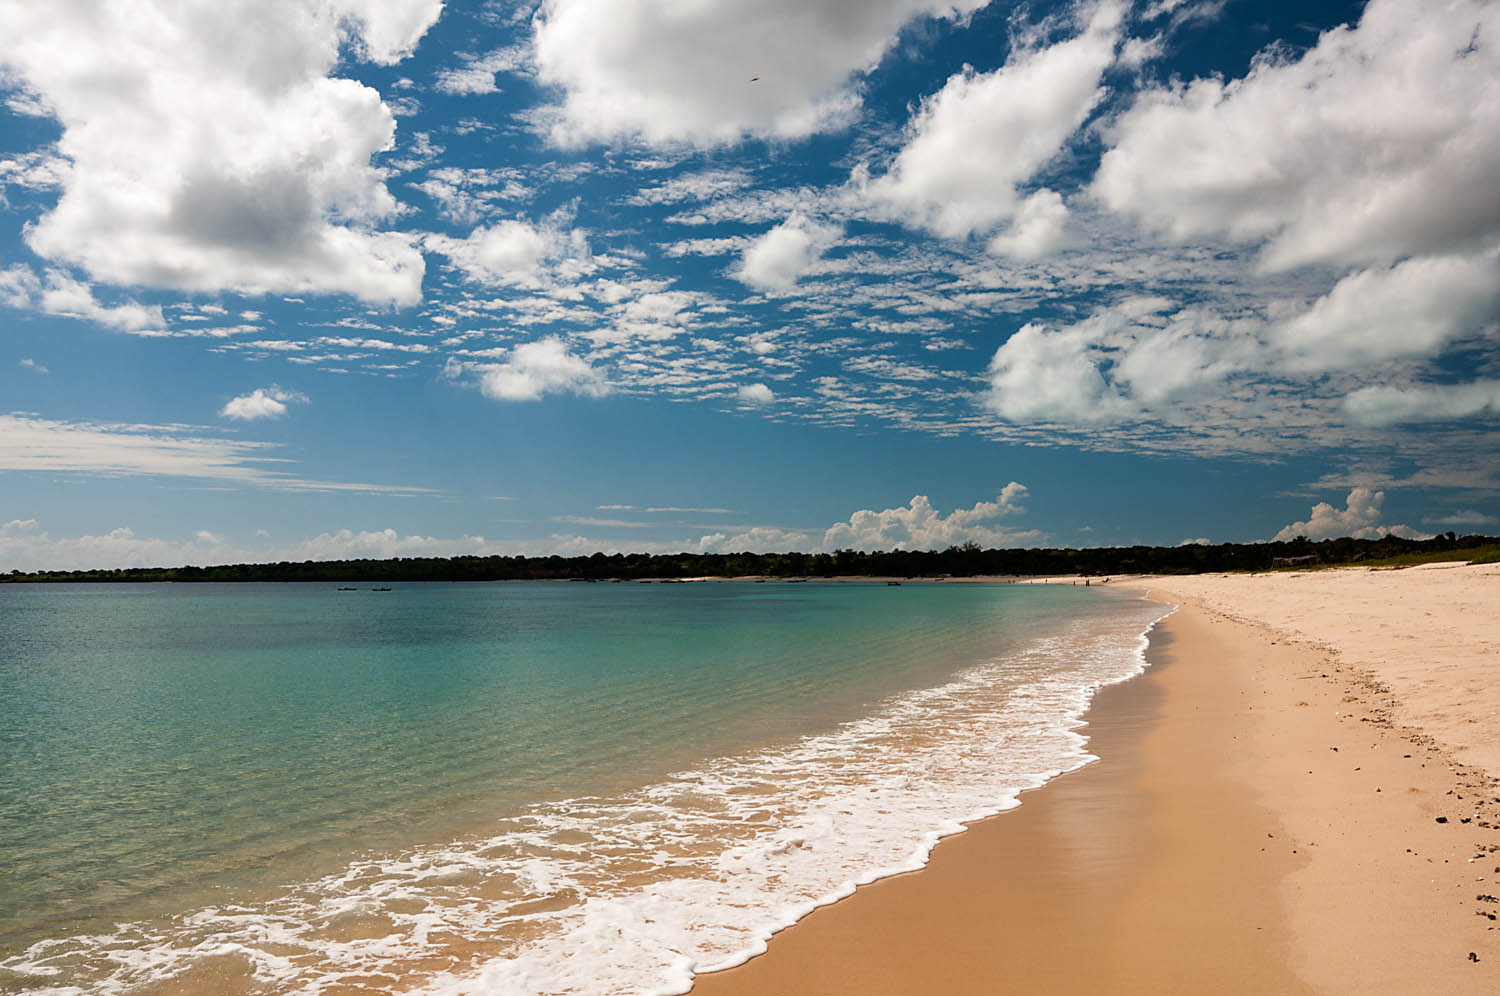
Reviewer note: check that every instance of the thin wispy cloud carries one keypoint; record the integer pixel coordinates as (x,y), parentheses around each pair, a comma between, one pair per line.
(33,444)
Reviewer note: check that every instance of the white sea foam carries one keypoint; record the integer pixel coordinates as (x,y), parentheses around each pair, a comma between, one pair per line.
(637,893)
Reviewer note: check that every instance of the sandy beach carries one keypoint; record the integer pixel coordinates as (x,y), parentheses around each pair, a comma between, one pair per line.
(1294,798)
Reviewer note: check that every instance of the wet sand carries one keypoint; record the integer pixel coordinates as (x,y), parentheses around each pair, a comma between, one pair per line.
(1257,823)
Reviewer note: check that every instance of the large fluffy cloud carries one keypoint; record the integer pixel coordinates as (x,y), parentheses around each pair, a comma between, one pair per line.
(1358,518)
(777,259)
(517,254)
(209,147)
(757,539)
(1138,355)
(61,294)
(1413,309)
(756,394)
(919,526)
(1146,353)
(972,143)
(682,72)
(1053,375)
(1382,405)
(1160,359)
(541,367)
(914,526)
(1365,162)
(1380,142)
(25,545)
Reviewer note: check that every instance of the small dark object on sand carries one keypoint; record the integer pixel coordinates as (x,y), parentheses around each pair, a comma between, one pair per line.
(1473,956)
(1441,819)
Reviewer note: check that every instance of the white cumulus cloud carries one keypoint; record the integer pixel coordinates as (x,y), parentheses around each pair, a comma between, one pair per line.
(1043,374)
(477,75)
(756,394)
(1146,353)
(19,286)
(919,526)
(682,72)
(541,367)
(1161,359)
(1380,142)
(1382,405)
(64,295)
(211,147)
(974,142)
(1413,309)
(1358,518)
(517,254)
(776,260)
(1038,228)
(759,539)
(263,402)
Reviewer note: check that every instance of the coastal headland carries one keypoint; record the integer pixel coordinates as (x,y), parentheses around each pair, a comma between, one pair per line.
(1296,797)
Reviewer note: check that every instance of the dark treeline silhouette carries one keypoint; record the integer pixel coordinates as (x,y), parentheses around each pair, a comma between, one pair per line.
(956,561)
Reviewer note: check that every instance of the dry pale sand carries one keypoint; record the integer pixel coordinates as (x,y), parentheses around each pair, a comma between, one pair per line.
(1431,633)
(1263,820)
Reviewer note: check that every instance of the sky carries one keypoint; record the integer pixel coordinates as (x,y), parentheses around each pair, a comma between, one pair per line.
(313,279)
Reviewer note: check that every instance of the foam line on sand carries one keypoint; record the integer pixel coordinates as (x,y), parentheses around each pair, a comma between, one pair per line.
(1265,818)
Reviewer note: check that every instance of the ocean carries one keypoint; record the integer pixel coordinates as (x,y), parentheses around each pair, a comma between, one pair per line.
(502,788)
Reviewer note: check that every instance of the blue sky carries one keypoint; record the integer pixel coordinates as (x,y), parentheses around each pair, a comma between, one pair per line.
(327,278)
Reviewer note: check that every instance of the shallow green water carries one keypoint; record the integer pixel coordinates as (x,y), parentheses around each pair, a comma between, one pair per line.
(170,747)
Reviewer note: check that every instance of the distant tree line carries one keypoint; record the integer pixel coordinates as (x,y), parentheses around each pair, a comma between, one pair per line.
(967,560)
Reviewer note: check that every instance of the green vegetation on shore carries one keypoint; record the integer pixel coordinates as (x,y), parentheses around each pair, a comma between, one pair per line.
(956,561)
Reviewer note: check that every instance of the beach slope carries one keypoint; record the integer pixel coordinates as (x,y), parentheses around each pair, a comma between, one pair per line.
(1291,799)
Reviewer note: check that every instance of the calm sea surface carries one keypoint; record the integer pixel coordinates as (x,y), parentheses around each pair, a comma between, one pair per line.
(501,788)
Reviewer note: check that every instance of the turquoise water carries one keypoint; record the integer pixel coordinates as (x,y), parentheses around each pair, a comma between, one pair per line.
(185,760)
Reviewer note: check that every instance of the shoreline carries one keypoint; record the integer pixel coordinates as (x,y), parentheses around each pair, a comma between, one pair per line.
(1077,723)
(1255,830)
(1255,808)
(1042,897)
(940,780)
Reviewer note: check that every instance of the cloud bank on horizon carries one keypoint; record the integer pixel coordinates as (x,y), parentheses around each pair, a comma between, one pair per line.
(915,526)
(1160,231)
